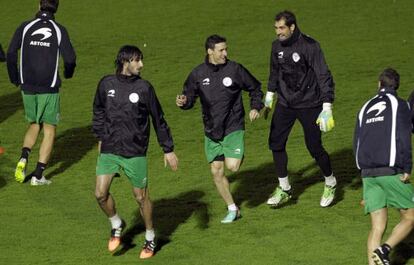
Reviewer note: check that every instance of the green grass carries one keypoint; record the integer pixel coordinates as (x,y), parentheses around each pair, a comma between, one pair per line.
(62,224)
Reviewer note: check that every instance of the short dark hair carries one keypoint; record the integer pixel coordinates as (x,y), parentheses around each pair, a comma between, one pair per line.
(127,53)
(49,5)
(288,16)
(212,40)
(389,78)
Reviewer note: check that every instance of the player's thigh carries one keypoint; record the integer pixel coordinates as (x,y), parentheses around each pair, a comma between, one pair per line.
(49,108)
(30,107)
(307,118)
(233,147)
(136,169)
(400,195)
(212,149)
(107,165)
(103,183)
(282,122)
(374,195)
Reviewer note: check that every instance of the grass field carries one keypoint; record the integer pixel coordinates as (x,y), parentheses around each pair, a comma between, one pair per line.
(62,223)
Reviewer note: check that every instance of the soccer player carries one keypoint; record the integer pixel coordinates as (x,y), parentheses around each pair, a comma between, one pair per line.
(382,146)
(304,86)
(121,110)
(219,83)
(40,41)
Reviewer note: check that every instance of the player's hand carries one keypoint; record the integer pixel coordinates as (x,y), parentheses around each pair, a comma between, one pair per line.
(325,119)
(180,100)
(253,115)
(405,177)
(172,160)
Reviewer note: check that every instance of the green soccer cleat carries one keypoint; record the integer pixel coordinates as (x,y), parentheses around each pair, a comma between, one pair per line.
(279,197)
(20,172)
(328,195)
(231,217)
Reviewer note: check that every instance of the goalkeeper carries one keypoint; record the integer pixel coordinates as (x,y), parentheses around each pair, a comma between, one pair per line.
(305,91)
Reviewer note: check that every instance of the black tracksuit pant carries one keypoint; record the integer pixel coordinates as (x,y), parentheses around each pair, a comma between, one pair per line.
(282,122)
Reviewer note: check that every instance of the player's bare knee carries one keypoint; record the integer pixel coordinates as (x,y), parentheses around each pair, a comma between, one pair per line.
(233,167)
(140,198)
(101,197)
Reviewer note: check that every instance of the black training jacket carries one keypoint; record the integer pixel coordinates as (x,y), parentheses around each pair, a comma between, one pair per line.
(121,111)
(40,42)
(2,55)
(299,73)
(219,88)
(382,138)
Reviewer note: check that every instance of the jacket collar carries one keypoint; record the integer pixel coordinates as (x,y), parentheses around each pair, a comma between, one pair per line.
(127,78)
(214,67)
(44,15)
(292,39)
(386,90)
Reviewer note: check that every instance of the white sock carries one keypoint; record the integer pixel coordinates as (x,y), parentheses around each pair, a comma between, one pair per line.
(232,207)
(284,183)
(115,221)
(330,181)
(149,235)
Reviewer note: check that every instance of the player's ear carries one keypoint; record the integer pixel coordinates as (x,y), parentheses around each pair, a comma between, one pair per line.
(209,51)
(292,27)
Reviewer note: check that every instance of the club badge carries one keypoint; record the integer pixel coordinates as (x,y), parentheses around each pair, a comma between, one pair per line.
(227,81)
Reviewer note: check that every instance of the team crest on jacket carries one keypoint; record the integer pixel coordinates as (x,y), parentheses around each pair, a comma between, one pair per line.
(227,81)
(295,57)
(133,97)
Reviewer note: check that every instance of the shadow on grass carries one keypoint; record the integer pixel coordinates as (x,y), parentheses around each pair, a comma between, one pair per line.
(404,252)
(255,186)
(10,103)
(70,147)
(168,215)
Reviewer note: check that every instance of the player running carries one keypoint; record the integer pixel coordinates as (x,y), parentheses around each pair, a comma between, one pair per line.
(219,83)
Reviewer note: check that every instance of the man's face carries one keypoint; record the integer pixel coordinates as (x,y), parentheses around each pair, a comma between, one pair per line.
(219,54)
(283,32)
(133,67)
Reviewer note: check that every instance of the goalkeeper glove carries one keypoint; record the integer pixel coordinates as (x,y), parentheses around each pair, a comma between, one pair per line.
(268,103)
(325,119)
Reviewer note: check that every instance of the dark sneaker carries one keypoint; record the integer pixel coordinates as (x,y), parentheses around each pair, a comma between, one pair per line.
(380,257)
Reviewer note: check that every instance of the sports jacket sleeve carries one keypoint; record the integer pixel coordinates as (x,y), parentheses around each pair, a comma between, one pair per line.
(404,131)
(68,54)
(12,56)
(253,86)
(190,90)
(411,103)
(356,135)
(99,103)
(2,55)
(273,82)
(323,75)
(162,130)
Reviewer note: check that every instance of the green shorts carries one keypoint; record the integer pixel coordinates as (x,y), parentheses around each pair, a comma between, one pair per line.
(42,108)
(231,146)
(135,168)
(387,191)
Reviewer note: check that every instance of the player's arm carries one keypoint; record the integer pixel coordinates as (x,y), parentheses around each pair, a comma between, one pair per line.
(161,128)
(273,81)
(14,46)
(250,84)
(68,54)
(99,111)
(189,94)
(326,84)
(404,130)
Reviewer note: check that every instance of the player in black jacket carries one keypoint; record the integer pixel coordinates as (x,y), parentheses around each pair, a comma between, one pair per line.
(305,89)
(40,42)
(382,146)
(121,110)
(219,83)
